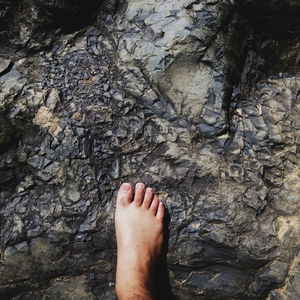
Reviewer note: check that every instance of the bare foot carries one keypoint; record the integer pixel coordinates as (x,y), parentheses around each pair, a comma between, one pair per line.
(139,230)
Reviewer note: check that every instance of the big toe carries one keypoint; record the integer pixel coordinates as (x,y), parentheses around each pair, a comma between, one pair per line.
(125,194)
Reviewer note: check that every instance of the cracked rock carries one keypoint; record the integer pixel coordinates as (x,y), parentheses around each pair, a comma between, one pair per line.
(198,99)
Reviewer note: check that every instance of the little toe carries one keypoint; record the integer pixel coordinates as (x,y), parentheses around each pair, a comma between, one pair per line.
(125,194)
(154,205)
(148,198)
(139,193)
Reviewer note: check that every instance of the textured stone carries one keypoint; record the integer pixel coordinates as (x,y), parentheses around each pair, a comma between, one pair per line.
(4,65)
(199,99)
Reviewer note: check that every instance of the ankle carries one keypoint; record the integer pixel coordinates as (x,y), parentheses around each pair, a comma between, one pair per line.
(137,281)
(133,288)
(136,294)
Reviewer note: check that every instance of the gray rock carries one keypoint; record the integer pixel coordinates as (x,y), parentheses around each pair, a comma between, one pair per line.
(199,99)
(5,64)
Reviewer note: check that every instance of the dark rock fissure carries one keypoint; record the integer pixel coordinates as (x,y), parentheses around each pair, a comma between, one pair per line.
(272,34)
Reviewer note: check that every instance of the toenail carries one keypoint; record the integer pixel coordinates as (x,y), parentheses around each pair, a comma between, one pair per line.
(125,187)
(140,185)
(149,190)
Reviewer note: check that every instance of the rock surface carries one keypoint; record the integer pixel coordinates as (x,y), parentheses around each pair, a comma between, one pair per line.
(199,99)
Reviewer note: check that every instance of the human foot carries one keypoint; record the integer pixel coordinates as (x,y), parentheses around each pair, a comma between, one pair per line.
(139,230)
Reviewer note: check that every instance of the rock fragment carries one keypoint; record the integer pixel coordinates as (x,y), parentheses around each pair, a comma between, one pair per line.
(5,65)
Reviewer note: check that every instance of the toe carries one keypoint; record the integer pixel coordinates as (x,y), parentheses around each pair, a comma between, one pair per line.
(139,193)
(148,198)
(160,211)
(154,205)
(125,194)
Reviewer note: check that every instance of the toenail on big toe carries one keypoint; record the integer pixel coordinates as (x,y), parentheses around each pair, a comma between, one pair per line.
(125,187)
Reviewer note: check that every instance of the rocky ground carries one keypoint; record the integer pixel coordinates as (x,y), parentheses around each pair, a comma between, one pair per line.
(198,99)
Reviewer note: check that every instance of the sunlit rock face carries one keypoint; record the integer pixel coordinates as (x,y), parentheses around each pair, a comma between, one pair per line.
(199,99)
